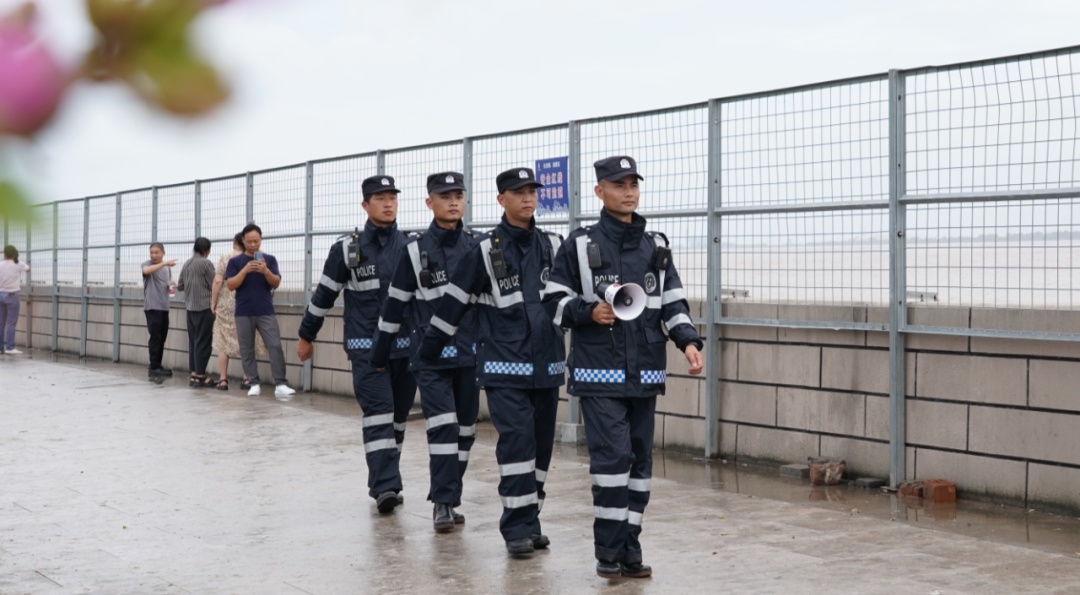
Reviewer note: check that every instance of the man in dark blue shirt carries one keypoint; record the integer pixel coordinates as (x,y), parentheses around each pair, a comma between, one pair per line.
(253,274)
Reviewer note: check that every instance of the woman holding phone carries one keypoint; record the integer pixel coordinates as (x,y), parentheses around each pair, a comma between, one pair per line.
(253,275)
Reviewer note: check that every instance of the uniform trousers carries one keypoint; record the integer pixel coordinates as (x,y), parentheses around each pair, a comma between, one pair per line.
(385,398)
(619,432)
(525,420)
(450,401)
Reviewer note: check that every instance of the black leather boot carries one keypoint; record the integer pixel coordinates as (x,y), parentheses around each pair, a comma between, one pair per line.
(443,517)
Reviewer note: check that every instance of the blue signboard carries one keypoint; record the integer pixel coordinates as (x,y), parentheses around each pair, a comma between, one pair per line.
(554,174)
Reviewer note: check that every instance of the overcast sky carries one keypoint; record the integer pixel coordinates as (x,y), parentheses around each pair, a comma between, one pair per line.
(319,78)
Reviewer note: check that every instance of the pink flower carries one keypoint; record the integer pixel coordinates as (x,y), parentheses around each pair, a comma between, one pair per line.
(31,82)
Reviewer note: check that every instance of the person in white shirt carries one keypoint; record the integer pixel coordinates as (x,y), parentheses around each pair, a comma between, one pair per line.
(11,271)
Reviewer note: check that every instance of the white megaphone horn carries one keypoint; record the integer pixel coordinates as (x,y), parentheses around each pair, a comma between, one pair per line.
(626,299)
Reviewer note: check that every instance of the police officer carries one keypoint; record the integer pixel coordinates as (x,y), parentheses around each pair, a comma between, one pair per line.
(618,367)
(520,358)
(448,394)
(362,263)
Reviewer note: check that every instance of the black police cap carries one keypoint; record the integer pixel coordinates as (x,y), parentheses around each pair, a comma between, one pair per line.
(519,177)
(376,184)
(616,168)
(445,182)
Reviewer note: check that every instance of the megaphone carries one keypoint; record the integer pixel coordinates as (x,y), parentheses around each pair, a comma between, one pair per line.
(626,299)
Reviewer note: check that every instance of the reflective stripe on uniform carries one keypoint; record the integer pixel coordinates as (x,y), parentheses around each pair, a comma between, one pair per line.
(517,468)
(497,299)
(519,501)
(330,283)
(443,449)
(375,445)
(389,327)
(466,430)
(599,375)
(674,295)
(677,320)
(441,420)
(369,285)
(640,485)
(634,518)
(508,368)
(611,481)
(611,514)
(399,295)
(316,311)
(378,420)
(443,326)
(541,475)
(588,292)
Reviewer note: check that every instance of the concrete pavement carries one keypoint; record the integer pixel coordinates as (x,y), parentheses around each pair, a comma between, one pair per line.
(110,484)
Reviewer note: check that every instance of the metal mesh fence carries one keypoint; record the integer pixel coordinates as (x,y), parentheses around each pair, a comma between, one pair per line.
(493,155)
(825,144)
(670,147)
(224,210)
(410,168)
(278,200)
(988,189)
(137,217)
(176,213)
(101,221)
(336,192)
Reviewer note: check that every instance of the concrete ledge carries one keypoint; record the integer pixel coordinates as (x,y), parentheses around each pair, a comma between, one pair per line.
(568,433)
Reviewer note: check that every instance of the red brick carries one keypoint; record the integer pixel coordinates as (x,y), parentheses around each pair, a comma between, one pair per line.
(911,489)
(939,491)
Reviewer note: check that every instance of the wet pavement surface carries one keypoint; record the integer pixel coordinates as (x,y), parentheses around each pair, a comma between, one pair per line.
(111,484)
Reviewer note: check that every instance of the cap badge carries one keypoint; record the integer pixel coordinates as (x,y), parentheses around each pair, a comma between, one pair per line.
(385,182)
(624,164)
(524,175)
(449,179)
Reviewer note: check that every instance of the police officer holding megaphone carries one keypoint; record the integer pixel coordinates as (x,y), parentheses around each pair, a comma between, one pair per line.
(608,272)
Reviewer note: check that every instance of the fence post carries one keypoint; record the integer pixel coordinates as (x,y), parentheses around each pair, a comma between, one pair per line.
(309,273)
(30,283)
(117,291)
(380,162)
(249,182)
(573,210)
(466,172)
(85,289)
(53,340)
(198,208)
(712,305)
(897,280)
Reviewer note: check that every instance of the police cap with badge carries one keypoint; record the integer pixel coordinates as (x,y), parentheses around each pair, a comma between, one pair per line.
(376,184)
(616,168)
(446,181)
(519,177)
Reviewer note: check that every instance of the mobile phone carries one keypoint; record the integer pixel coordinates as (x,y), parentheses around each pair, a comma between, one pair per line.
(259,256)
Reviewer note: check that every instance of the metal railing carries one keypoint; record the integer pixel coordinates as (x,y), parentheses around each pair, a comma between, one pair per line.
(956,185)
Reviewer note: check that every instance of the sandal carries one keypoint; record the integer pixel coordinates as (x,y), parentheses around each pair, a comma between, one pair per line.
(245,384)
(222,384)
(198,381)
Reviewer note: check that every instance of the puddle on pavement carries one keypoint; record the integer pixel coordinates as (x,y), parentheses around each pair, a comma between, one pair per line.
(1002,524)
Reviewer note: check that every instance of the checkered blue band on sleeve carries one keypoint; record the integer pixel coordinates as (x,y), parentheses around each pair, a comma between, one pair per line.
(449,351)
(653,376)
(402,343)
(508,368)
(595,375)
(556,368)
(357,343)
